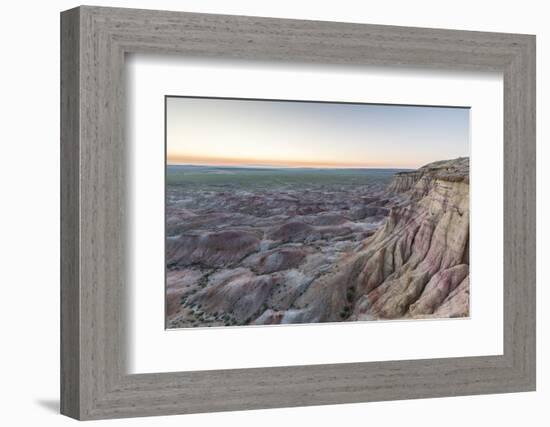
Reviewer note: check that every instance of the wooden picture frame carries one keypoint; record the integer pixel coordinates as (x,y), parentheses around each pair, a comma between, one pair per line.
(94,382)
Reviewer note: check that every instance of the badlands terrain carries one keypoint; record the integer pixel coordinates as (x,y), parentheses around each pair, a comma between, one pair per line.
(254,246)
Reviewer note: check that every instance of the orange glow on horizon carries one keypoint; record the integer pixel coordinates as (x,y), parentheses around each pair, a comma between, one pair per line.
(174,159)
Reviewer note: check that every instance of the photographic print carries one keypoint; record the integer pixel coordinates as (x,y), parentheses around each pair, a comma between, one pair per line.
(293,212)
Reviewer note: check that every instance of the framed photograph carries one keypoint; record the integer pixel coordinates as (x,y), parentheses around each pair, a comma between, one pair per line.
(262,213)
(272,222)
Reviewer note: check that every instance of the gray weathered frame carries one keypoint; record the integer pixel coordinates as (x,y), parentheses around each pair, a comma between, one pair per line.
(94,41)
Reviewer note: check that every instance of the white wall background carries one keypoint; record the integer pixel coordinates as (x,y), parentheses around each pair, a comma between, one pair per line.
(29,224)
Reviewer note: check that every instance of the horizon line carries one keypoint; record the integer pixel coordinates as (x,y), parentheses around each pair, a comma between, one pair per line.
(262,166)
(176,158)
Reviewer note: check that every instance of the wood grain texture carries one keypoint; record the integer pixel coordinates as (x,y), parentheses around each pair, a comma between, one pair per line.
(70,297)
(95,383)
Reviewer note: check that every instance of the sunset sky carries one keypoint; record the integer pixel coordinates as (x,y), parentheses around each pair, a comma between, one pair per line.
(202,131)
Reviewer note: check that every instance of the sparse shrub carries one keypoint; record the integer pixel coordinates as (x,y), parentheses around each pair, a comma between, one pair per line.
(350,294)
(345,312)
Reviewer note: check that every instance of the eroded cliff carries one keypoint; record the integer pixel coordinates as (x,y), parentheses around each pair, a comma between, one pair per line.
(417,263)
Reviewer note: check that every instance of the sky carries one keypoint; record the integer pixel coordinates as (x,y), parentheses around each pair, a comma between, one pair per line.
(232,132)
